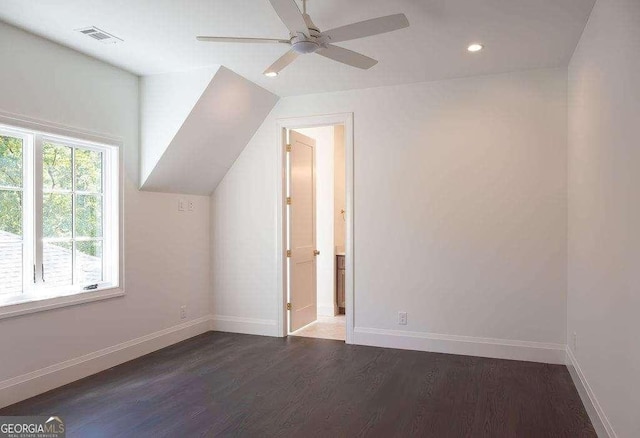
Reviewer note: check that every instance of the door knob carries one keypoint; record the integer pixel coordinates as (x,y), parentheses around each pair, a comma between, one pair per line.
(316,252)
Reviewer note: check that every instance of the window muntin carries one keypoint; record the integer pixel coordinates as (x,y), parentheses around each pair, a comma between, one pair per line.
(67,206)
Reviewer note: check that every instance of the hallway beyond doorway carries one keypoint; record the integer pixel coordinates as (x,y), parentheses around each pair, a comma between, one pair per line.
(325,327)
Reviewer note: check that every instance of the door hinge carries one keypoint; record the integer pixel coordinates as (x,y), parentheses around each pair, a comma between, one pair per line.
(288,200)
(288,306)
(288,148)
(288,253)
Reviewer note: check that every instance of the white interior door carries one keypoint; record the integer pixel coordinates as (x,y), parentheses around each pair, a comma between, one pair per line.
(302,231)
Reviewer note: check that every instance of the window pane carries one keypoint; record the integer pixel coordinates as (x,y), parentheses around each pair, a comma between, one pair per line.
(10,268)
(10,162)
(56,162)
(88,170)
(58,262)
(88,216)
(10,215)
(89,262)
(56,210)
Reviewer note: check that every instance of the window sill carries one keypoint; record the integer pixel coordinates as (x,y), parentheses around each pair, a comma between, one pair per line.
(10,310)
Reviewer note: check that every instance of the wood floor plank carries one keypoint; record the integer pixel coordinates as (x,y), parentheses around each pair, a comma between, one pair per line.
(224,384)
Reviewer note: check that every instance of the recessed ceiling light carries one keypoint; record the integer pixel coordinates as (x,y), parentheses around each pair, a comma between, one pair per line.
(271,74)
(475,47)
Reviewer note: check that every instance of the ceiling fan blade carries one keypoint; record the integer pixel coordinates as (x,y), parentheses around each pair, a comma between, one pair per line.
(240,40)
(347,56)
(367,28)
(282,62)
(291,16)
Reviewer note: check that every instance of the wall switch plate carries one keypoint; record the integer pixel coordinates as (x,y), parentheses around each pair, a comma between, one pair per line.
(183,312)
(402,318)
(190,205)
(181,204)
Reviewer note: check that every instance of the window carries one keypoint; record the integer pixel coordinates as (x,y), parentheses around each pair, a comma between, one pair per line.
(59,218)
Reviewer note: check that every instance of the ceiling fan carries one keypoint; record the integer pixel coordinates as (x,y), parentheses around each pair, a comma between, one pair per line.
(305,37)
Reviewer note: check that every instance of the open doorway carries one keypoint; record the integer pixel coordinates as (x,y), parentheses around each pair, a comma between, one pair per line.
(316,223)
(316,229)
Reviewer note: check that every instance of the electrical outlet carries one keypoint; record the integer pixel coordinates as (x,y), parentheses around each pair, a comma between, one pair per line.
(183,312)
(402,318)
(181,204)
(575,342)
(190,205)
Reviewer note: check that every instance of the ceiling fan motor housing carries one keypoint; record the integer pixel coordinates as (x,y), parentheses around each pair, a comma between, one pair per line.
(307,44)
(304,45)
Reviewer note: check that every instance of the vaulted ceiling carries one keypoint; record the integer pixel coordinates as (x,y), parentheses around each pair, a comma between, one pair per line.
(159,37)
(194,125)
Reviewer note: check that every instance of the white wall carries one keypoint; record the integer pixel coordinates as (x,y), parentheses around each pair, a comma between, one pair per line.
(166,252)
(326,265)
(460,210)
(604,211)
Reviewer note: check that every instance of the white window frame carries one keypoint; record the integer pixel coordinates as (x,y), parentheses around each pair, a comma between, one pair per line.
(35,295)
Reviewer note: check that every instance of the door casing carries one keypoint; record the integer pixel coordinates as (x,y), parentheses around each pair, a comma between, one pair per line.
(345,119)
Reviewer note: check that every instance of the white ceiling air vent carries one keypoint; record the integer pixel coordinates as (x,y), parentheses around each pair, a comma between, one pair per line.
(99,35)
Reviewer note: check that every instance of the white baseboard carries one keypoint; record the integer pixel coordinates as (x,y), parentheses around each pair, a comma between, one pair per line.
(596,414)
(28,385)
(465,345)
(248,326)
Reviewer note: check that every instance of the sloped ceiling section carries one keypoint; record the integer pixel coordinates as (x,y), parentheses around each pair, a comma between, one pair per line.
(165,102)
(207,139)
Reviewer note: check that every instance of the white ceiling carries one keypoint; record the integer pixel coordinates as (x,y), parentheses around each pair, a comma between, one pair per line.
(159,37)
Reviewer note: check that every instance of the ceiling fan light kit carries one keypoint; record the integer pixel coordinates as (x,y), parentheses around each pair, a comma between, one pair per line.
(306,38)
(304,45)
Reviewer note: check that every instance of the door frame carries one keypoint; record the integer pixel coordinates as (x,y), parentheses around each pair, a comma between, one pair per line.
(345,119)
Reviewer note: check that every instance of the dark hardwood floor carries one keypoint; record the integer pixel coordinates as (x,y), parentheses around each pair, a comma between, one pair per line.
(222,384)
